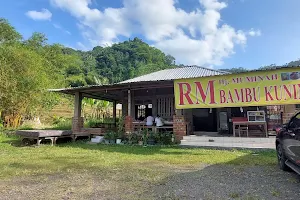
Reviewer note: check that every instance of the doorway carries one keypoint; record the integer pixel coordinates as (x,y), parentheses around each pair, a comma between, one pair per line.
(205,119)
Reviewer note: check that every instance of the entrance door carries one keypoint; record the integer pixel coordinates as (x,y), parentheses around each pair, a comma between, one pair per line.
(205,120)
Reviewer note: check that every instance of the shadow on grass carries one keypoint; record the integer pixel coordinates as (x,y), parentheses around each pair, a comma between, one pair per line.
(129,149)
(134,149)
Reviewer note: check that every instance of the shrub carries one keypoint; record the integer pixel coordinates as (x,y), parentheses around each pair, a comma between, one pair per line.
(57,120)
(133,138)
(93,123)
(110,135)
(165,138)
(63,124)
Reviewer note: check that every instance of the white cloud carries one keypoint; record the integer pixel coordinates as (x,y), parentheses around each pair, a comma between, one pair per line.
(196,37)
(44,14)
(57,26)
(81,46)
(253,32)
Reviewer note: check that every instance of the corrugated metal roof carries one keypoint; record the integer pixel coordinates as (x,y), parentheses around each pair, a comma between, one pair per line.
(167,75)
(176,73)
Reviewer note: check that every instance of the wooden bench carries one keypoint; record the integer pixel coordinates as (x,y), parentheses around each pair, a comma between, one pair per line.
(40,135)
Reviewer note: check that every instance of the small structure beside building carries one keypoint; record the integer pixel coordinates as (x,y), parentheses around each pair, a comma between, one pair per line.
(199,101)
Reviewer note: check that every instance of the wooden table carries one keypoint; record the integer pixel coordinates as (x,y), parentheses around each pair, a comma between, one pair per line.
(247,123)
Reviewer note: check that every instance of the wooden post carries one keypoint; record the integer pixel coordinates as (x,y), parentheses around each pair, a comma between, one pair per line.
(77,105)
(115,112)
(129,103)
(77,121)
(154,106)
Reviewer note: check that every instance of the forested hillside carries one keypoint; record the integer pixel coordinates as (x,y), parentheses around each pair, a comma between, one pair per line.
(119,62)
(29,67)
(241,69)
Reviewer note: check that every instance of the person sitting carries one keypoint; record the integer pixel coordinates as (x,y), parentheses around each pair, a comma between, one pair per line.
(141,118)
(149,121)
(159,121)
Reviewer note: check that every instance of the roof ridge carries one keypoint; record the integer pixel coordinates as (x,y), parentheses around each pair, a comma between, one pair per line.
(216,70)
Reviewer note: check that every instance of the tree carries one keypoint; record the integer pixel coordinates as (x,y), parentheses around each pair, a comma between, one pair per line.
(28,69)
(129,59)
(23,83)
(235,70)
(8,34)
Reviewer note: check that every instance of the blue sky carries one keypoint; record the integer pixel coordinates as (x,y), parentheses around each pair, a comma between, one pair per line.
(212,33)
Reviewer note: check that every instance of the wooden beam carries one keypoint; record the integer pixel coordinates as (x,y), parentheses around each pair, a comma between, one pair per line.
(106,98)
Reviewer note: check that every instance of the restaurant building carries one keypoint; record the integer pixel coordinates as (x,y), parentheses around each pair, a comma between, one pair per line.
(201,101)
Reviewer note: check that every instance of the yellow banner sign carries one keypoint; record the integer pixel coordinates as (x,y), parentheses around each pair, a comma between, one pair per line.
(270,87)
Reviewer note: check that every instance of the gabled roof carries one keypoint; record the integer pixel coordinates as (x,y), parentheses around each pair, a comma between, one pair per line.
(176,73)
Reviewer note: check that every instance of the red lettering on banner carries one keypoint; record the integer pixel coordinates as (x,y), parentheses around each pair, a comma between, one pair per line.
(272,78)
(295,92)
(230,97)
(287,92)
(237,80)
(240,97)
(248,95)
(256,94)
(222,96)
(268,93)
(210,91)
(186,94)
(277,90)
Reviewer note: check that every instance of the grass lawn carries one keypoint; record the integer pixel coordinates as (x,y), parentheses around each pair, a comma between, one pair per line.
(79,170)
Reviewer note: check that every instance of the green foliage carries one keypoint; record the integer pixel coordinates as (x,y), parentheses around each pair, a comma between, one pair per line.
(8,34)
(100,109)
(132,138)
(93,122)
(129,59)
(116,63)
(28,68)
(62,124)
(24,80)
(164,138)
(110,135)
(235,70)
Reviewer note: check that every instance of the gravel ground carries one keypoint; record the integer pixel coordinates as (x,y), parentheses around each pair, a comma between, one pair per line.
(205,182)
(231,182)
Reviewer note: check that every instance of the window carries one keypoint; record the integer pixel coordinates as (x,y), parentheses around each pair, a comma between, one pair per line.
(141,111)
(298,106)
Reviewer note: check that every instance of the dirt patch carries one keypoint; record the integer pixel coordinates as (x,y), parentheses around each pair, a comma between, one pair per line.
(72,186)
(208,182)
(231,182)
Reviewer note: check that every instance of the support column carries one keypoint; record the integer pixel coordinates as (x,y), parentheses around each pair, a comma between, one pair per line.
(128,124)
(129,118)
(129,103)
(179,125)
(115,112)
(154,106)
(77,121)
